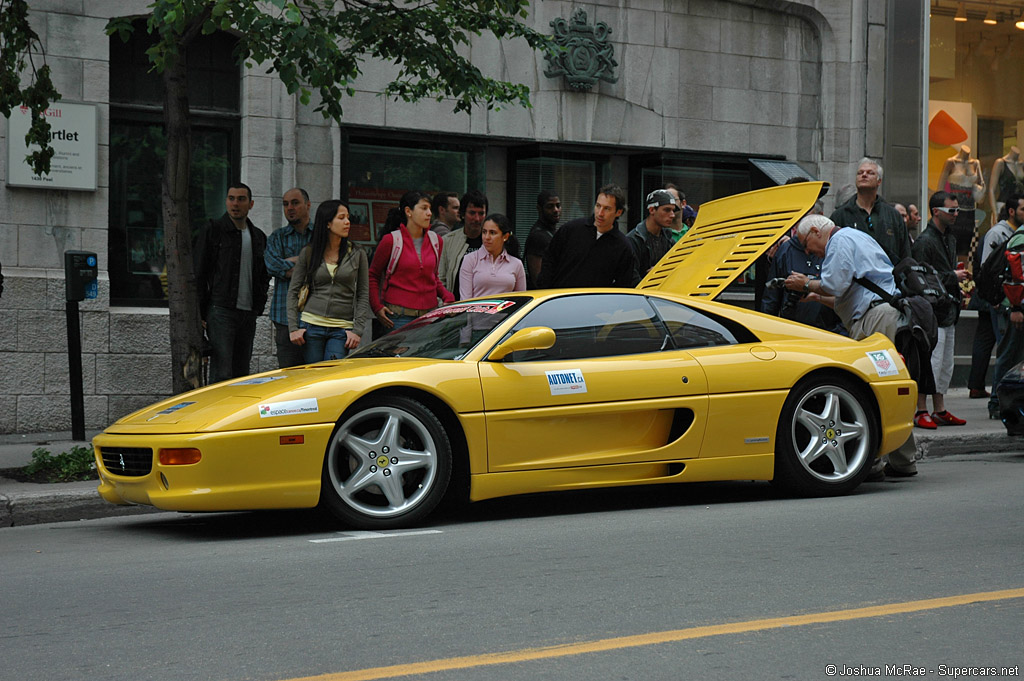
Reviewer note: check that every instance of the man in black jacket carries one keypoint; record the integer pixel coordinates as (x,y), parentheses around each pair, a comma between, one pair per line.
(232,280)
(868,212)
(937,247)
(591,251)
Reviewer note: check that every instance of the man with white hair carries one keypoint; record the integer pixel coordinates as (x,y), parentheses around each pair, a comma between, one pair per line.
(868,212)
(849,254)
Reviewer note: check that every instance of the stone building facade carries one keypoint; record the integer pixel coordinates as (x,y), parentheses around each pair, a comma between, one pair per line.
(701,88)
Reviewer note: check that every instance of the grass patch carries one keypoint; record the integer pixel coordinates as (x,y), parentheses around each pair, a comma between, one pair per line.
(71,466)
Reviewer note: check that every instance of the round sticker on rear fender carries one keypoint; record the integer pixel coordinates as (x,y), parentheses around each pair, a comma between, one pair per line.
(883,363)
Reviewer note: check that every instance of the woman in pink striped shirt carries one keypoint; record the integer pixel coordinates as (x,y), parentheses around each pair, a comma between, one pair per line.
(493,269)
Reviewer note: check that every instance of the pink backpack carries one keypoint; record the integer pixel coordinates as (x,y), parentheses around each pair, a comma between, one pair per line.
(397,243)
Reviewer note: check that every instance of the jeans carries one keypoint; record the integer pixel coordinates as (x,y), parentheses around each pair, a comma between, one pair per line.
(401,320)
(323,342)
(1009,352)
(986,336)
(288,354)
(231,332)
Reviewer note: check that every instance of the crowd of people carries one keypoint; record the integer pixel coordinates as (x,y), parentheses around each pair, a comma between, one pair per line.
(831,272)
(433,249)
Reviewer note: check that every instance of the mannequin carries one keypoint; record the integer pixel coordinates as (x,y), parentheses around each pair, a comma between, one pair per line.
(961,177)
(1007,178)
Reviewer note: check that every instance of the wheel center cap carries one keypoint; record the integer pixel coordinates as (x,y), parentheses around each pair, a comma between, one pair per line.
(830,433)
(382,461)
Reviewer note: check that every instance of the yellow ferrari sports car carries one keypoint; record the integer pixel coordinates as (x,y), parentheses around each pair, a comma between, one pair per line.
(539,391)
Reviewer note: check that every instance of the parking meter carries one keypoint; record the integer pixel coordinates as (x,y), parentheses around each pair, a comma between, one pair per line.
(80,275)
(79,283)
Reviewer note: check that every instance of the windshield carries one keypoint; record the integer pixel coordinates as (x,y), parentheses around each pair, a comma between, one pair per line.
(448,332)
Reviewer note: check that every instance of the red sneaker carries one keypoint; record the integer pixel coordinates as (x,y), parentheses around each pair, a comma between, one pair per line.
(946,419)
(923,420)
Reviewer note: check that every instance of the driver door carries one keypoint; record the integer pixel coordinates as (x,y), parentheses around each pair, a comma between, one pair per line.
(611,390)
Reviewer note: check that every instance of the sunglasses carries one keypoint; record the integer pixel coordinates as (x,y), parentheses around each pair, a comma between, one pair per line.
(948,211)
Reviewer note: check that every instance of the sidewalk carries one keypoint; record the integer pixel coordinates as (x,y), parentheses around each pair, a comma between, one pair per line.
(29,503)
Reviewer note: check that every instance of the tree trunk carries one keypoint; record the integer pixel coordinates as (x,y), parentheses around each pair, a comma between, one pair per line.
(183,299)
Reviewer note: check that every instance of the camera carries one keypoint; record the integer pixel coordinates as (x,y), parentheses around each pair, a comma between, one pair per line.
(790,298)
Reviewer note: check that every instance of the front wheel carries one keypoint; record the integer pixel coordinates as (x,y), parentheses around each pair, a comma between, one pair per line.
(827,439)
(387,465)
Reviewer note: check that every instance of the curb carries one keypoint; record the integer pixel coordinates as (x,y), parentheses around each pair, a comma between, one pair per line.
(49,506)
(950,444)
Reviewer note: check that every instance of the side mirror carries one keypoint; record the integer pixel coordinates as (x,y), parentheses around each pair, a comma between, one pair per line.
(532,338)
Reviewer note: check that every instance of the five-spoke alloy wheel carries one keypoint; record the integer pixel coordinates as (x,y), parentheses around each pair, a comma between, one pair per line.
(387,464)
(826,439)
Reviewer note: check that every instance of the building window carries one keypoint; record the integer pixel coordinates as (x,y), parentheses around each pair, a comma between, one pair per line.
(376,175)
(138,148)
(573,180)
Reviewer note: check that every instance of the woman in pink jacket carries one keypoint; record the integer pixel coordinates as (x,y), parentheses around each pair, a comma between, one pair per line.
(403,275)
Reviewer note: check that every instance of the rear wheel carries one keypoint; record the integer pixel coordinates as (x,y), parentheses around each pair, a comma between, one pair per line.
(826,438)
(387,465)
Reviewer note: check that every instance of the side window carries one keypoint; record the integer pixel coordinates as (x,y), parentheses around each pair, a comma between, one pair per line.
(599,325)
(692,329)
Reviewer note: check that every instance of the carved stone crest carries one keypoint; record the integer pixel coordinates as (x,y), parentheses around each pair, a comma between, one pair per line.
(586,55)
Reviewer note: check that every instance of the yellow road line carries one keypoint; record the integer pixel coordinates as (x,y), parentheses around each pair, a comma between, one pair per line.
(602,645)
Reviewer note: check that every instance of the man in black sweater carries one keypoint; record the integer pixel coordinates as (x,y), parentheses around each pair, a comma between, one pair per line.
(590,251)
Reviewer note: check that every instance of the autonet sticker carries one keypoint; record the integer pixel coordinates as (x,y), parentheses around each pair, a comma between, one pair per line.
(568,382)
(289,408)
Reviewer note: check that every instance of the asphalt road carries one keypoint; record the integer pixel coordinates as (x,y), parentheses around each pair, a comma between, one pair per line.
(708,581)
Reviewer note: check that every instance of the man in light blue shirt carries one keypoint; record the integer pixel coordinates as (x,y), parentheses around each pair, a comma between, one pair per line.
(849,254)
(282,253)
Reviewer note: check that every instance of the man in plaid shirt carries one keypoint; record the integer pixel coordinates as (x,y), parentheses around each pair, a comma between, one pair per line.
(282,253)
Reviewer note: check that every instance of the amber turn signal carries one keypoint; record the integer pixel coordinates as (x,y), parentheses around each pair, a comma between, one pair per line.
(293,439)
(179,457)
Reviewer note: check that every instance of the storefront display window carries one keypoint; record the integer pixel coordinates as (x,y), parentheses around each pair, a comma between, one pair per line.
(975,112)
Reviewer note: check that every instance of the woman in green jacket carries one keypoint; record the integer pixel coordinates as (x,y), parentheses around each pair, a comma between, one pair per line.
(336,272)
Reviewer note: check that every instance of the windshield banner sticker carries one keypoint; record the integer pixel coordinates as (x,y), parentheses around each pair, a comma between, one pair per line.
(569,382)
(884,364)
(290,408)
(482,306)
(170,410)
(258,380)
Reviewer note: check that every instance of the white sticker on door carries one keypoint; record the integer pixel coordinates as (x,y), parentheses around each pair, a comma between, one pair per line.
(568,382)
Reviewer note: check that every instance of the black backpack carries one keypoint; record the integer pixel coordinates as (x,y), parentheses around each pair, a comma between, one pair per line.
(915,278)
(988,282)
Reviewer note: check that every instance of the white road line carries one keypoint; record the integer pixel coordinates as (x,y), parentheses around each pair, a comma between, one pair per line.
(352,536)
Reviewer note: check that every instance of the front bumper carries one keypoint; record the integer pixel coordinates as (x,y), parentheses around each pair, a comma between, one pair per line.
(239,470)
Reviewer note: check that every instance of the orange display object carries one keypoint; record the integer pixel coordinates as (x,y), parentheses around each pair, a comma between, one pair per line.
(944,130)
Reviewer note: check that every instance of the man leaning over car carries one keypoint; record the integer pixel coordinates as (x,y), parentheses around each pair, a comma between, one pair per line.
(848,254)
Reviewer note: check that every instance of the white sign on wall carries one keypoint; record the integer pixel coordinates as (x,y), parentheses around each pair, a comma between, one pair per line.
(74,137)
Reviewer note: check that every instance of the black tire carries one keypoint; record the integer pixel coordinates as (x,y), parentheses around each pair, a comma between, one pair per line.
(827,437)
(387,465)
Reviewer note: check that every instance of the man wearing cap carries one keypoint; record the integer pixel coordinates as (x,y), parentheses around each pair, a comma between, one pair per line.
(649,239)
